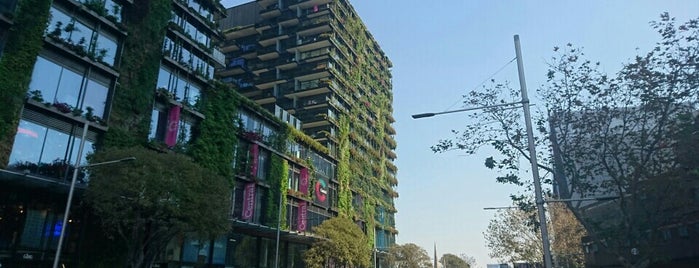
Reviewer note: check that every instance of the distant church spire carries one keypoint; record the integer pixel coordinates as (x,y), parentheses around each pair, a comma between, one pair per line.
(435,255)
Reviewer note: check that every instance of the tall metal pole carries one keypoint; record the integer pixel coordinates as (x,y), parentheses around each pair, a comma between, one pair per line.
(279,223)
(532,156)
(70,197)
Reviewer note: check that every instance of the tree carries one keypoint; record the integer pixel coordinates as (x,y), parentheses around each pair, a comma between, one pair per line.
(452,261)
(342,244)
(470,260)
(512,238)
(610,135)
(408,256)
(147,202)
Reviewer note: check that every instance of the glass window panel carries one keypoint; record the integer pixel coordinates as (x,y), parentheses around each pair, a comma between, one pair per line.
(163,78)
(106,48)
(113,9)
(87,150)
(193,94)
(181,89)
(96,95)
(219,255)
(46,84)
(56,146)
(33,226)
(59,20)
(26,150)
(69,87)
(158,123)
(80,34)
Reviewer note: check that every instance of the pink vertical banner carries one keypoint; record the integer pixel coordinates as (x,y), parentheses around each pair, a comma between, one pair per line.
(315,8)
(303,181)
(249,201)
(303,214)
(254,154)
(173,122)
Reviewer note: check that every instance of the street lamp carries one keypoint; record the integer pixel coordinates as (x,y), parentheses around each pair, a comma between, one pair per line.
(532,150)
(72,189)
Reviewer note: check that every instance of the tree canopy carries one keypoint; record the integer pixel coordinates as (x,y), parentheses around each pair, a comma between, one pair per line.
(452,261)
(147,202)
(408,256)
(342,243)
(624,134)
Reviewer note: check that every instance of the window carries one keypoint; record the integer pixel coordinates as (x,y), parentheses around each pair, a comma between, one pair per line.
(183,89)
(294,179)
(682,231)
(48,149)
(159,122)
(68,84)
(82,37)
(262,160)
(667,234)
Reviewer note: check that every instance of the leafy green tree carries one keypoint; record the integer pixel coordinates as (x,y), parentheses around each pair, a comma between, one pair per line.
(342,244)
(612,135)
(147,202)
(452,261)
(512,238)
(408,256)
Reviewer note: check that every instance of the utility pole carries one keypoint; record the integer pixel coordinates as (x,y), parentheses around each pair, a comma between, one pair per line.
(532,158)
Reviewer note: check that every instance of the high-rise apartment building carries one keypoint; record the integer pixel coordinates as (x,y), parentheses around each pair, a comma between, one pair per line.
(315,61)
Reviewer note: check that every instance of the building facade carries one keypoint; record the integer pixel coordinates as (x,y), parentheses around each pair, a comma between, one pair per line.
(143,73)
(314,61)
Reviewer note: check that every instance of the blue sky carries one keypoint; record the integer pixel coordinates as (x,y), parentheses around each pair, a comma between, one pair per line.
(443,49)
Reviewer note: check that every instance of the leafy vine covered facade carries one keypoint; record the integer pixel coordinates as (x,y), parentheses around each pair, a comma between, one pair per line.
(144,73)
(315,62)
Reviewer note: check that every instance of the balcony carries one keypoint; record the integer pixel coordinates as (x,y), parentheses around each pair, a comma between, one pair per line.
(315,26)
(314,102)
(307,88)
(269,79)
(288,19)
(229,45)
(309,43)
(238,32)
(271,11)
(268,53)
(270,36)
(265,3)
(305,4)
(266,97)
(248,51)
(316,11)
(235,66)
(311,71)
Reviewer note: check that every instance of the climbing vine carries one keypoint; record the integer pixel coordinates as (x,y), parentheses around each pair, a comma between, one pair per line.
(213,143)
(24,42)
(129,120)
(343,169)
(279,176)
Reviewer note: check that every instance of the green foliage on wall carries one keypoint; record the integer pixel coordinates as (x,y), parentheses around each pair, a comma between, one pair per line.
(343,169)
(129,120)
(24,43)
(279,178)
(214,138)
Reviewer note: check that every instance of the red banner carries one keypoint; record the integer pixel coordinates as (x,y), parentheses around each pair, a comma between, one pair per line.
(303,181)
(173,123)
(249,201)
(303,213)
(254,154)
